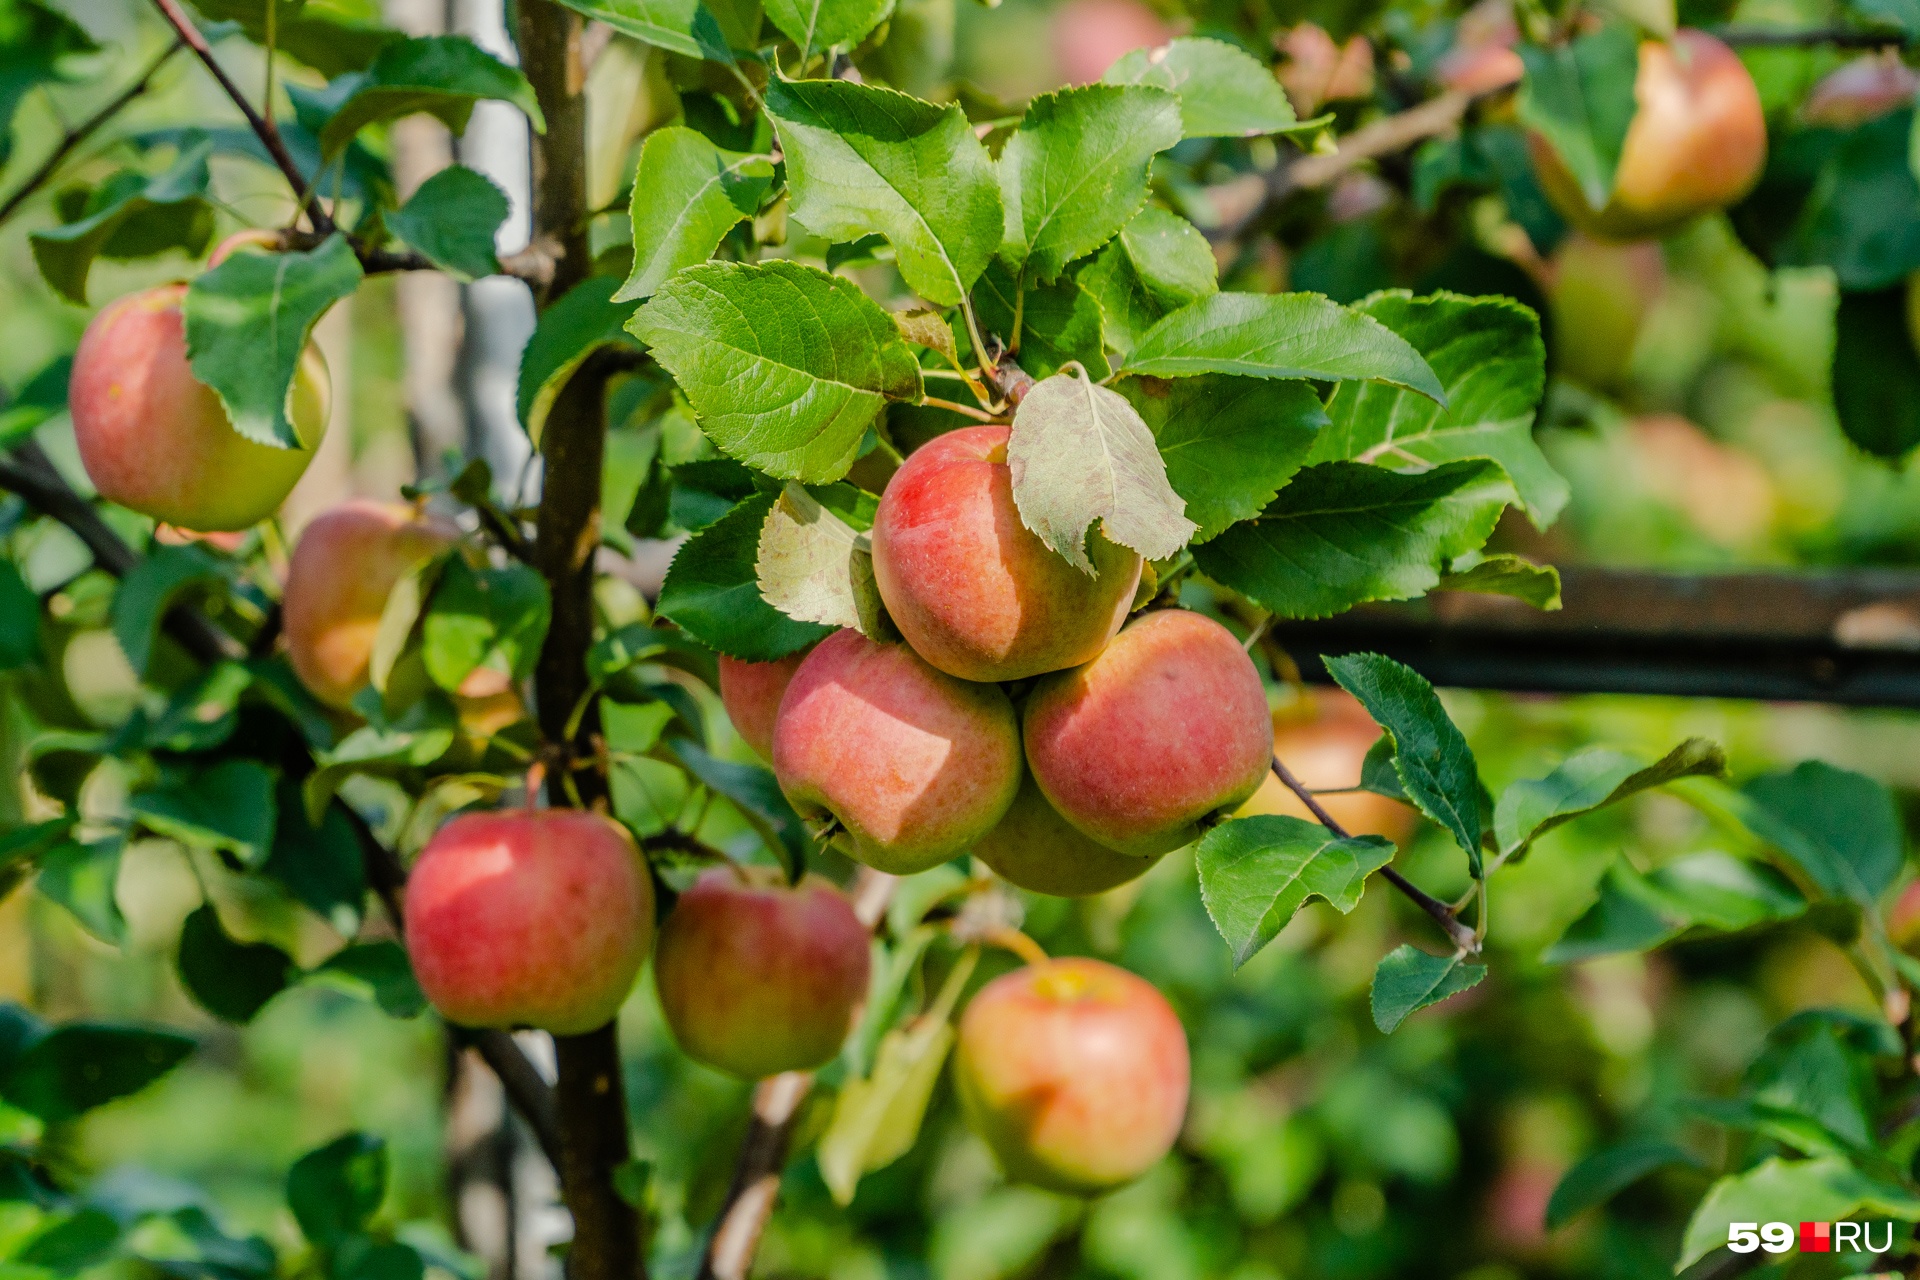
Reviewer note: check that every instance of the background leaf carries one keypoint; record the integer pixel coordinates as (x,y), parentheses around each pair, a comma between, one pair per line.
(1224,91)
(1591,780)
(816,25)
(588,317)
(231,980)
(1579,97)
(82,1065)
(1059,322)
(130,216)
(229,807)
(1607,1172)
(334,1190)
(1839,827)
(443,76)
(452,218)
(496,618)
(1779,1190)
(686,27)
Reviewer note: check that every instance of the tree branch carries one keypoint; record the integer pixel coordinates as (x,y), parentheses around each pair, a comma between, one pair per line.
(84,130)
(1442,914)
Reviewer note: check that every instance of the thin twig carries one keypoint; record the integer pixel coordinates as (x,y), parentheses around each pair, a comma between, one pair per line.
(965,410)
(84,130)
(1442,914)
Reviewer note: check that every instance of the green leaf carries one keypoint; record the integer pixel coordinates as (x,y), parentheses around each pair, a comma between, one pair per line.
(1224,91)
(152,587)
(1592,780)
(83,1239)
(328,43)
(379,970)
(1636,912)
(694,194)
(1606,1173)
(876,1119)
(452,218)
(1080,453)
(228,807)
(248,321)
(786,365)
(1076,170)
(1409,980)
(43,396)
(1060,322)
(19,620)
(1344,533)
(493,618)
(1841,828)
(231,980)
(1816,1066)
(1256,872)
(814,567)
(1280,335)
(1784,1125)
(1431,757)
(82,876)
(335,1190)
(817,25)
(586,318)
(443,76)
(130,216)
(1859,215)
(1508,575)
(1876,373)
(866,160)
(1488,356)
(1579,97)
(82,1065)
(686,27)
(1229,443)
(319,864)
(634,728)
(389,750)
(1157,264)
(712,590)
(756,793)
(1828,1189)
(36,41)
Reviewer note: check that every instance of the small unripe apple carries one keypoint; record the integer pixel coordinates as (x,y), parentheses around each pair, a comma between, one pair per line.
(913,763)
(1167,726)
(1074,1072)
(973,590)
(760,978)
(1698,141)
(1325,745)
(1602,293)
(751,693)
(156,440)
(348,559)
(538,918)
(1037,849)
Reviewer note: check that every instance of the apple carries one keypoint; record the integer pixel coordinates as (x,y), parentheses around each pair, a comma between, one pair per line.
(1165,728)
(1091,35)
(1601,294)
(913,764)
(1074,1072)
(156,440)
(974,591)
(756,977)
(751,692)
(348,559)
(1037,849)
(529,917)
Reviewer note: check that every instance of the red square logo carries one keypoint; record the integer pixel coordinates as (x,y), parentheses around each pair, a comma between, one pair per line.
(1816,1237)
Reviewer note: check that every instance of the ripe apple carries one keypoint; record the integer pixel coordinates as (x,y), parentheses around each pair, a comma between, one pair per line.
(1074,1072)
(1698,141)
(1324,745)
(751,693)
(756,978)
(156,440)
(1601,294)
(1167,726)
(974,591)
(1091,35)
(347,562)
(1037,849)
(528,917)
(913,763)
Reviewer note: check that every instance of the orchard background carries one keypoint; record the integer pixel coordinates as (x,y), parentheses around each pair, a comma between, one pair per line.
(1630,969)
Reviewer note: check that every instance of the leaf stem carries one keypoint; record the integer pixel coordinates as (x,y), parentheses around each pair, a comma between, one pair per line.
(954,406)
(973,335)
(1019,311)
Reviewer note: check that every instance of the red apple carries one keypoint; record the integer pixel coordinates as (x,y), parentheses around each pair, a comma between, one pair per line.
(156,440)
(970,587)
(347,562)
(1167,726)
(1037,849)
(751,693)
(1091,35)
(757,978)
(525,917)
(1075,1072)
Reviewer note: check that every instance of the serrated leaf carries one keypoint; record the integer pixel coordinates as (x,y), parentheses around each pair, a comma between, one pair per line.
(1343,533)
(1256,872)
(78,1066)
(1508,575)
(1408,980)
(248,321)
(1281,335)
(496,618)
(685,27)
(1592,780)
(1488,356)
(129,216)
(231,980)
(928,329)
(712,590)
(1839,827)
(1607,1172)
(815,567)
(229,807)
(1076,170)
(452,218)
(443,76)
(1224,91)
(1229,443)
(1579,97)
(866,160)
(816,25)
(1828,1189)
(1430,755)
(586,318)
(1080,453)
(876,1119)
(786,365)
(694,193)
(1157,264)
(1060,323)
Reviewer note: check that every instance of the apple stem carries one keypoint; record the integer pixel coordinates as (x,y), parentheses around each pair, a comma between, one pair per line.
(536,775)
(1008,938)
